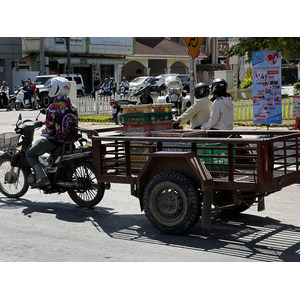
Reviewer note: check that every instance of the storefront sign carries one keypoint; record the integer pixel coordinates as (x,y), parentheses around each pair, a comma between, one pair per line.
(73,41)
(296,107)
(266,75)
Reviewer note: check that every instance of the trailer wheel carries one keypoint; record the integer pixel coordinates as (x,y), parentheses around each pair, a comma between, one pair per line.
(223,198)
(172,202)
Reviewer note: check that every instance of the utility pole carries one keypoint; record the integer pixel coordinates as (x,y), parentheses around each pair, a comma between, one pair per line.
(192,79)
(42,56)
(68,56)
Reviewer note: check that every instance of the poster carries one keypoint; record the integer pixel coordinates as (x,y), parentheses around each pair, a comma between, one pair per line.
(296,107)
(266,75)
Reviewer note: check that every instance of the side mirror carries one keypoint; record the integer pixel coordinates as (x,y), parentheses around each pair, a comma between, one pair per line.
(43,111)
(20,117)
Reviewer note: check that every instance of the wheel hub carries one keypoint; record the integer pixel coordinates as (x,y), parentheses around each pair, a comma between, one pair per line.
(170,203)
(13,179)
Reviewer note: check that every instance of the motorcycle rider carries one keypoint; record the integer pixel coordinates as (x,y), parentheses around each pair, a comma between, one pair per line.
(4,94)
(199,112)
(124,83)
(106,87)
(28,92)
(61,116)
(221,117)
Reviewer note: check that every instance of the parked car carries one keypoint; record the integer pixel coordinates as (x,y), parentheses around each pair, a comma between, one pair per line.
(40,81)
(141,82)
(137,84)
(185,79)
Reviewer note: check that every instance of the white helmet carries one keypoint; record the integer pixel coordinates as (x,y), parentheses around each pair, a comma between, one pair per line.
(58,86)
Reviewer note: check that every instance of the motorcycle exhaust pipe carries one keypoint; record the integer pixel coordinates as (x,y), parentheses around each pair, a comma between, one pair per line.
(68,184)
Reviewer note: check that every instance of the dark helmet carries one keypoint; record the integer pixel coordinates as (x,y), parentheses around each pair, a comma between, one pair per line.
(219,87)
(201,90)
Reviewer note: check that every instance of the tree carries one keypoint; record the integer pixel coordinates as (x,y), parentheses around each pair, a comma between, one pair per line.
(289,46)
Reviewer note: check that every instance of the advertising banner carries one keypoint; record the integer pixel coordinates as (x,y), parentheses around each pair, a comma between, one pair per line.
(266,75)
(296,107)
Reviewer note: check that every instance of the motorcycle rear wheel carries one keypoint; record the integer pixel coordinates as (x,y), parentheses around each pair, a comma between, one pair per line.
(18,186)
(91,191)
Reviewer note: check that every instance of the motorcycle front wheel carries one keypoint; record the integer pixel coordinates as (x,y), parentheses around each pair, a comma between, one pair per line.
(18,106)
(90,191)
(17,186)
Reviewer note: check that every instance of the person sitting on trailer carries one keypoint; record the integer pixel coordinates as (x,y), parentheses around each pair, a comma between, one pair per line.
(221,117)
(199,112)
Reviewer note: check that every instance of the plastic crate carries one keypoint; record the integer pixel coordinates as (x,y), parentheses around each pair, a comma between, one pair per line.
(137,150)
(218,149)
(160,116)
(161,125)
(150,126)
(212,150)
(135,109)
(140,117)
(162,107)
(136,127)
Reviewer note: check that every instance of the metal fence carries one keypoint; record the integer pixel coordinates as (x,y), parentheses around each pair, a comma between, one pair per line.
(243,109)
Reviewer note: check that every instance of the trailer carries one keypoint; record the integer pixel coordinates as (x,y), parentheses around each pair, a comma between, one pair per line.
(180,176)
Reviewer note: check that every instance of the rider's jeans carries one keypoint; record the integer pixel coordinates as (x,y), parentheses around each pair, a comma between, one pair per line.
(40,147)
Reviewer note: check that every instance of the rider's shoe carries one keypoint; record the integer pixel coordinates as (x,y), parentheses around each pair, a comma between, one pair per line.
(42,183)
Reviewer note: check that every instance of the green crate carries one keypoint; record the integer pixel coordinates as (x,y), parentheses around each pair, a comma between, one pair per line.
(160,116)
(136,118)
(216,150)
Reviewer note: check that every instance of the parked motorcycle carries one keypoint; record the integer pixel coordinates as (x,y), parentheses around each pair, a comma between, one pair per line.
(116,109)
(10,101)
(70,168)
(124,91)
(21,102)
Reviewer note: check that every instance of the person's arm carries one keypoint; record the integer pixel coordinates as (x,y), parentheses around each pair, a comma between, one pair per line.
(214,116)
(189,114)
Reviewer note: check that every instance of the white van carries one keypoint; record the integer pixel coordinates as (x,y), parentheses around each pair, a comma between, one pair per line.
(40,81)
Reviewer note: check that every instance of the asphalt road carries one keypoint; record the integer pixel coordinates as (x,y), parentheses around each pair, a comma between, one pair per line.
(51,228)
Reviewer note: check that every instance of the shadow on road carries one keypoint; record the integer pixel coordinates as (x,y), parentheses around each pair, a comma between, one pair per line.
(244,236)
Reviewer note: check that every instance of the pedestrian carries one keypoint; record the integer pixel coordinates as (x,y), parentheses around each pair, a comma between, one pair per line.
(199,112)
(61,117)
(4,94)
(221,117)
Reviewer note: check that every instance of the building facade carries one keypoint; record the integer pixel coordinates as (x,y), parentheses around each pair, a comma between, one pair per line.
(10,53)
(89,56)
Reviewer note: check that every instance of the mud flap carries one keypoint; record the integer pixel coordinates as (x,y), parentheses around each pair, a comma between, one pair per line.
(206,208)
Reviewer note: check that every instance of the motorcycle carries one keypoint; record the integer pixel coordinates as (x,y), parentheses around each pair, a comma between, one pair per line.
(70,167)
(144,95)
(25,103)
(116,108)
(124,91)
(10,101)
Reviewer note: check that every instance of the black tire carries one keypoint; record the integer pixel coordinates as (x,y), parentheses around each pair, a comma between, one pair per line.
(45,100)
(19,186)
(222,198)
(18,106)
(172,202)
(35,105)
(91,191)
(10,106)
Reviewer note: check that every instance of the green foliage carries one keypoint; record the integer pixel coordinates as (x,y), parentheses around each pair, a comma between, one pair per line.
(247,82)
(297,86)
(289,46)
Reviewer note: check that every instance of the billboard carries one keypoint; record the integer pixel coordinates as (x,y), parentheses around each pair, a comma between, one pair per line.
(266,75)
